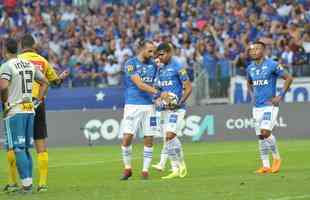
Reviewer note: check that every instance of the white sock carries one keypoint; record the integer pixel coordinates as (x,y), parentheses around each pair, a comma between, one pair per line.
(127,155)
(26,182)
(271,140)
(163,156)
(175,152)
(264,152)
(147,158)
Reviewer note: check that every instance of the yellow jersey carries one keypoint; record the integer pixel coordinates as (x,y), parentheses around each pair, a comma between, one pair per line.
(42,64)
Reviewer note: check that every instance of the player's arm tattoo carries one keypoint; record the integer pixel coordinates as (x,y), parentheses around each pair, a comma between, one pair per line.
(187,90)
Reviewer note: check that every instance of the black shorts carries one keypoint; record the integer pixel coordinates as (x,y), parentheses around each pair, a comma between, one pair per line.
(39,125)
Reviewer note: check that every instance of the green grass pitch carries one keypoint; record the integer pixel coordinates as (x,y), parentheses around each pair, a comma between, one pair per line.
(217,171)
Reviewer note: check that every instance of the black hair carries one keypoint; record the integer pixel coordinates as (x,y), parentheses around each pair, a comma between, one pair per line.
(11,45)
(27,41)
(166,47)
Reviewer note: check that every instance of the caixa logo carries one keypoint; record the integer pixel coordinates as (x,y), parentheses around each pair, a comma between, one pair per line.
(193,126)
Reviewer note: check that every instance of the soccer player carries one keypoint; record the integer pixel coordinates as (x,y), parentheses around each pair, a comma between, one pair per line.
(160,166)
(40,130)
(262,76)
(17,77)
(172,78)
(139,109)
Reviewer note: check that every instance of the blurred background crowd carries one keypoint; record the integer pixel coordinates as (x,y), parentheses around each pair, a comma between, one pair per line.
(93,38)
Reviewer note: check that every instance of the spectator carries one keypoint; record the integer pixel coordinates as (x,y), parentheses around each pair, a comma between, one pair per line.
(113,71)
(75,33)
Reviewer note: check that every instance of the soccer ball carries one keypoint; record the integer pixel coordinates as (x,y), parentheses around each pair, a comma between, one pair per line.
(173,99)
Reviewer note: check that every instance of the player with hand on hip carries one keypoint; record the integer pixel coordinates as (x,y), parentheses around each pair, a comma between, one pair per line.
(262,75)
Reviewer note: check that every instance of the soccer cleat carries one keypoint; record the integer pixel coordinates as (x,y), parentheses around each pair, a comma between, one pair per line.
(10,188)
(145,175)
(174,174)
(183,170)
(126,175)
(26,189)
(263,170)
(158,167)
(276,166)
(42,188)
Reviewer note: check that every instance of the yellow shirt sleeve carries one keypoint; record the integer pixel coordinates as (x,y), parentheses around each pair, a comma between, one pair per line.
(50,73)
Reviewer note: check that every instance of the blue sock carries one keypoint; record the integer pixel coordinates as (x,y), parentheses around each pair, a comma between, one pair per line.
(30,163)
(22,163)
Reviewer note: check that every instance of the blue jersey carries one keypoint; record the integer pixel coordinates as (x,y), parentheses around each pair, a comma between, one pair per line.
(147,72)
(170,78)
(264,79)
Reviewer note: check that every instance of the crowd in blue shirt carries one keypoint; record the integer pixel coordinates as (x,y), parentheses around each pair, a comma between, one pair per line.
(94,38)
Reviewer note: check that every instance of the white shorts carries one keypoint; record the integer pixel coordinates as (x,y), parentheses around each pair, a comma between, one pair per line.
(140,118)
(265,118)
(172,121)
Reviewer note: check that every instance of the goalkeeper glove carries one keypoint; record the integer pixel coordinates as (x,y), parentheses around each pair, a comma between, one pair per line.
(36,102)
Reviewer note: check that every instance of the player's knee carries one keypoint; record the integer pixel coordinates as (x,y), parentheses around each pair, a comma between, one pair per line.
(170,136)
(40,145)
(148,141)
(41,148)
(261,137)
(126,140)
(265,133)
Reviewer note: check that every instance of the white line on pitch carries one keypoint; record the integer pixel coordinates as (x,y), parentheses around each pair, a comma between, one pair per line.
(292,197)
(137,158)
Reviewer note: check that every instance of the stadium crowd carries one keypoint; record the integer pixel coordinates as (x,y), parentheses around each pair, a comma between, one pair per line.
(92,39)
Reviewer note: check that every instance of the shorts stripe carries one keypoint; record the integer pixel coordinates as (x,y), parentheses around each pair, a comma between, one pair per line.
(9,133)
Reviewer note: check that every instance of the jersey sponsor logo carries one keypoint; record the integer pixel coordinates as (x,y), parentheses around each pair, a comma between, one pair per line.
(147,79)
(26,107)
(260,82)
(153,121)
(38,64)
(173,119)
(267,116)
(165,83)
(22,65)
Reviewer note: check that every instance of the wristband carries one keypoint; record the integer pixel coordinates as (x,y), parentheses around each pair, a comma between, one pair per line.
(282,93)
(156,95)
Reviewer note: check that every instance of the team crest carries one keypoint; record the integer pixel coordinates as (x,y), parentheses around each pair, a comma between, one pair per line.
(280,67)
(183,72)
(130,68)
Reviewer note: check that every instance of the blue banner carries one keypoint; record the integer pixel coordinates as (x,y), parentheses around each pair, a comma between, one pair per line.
(298,92)
(84,98)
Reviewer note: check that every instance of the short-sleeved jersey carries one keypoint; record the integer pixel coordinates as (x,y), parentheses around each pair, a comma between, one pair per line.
(170,78)
(41,64)
(264,79)
(146,71)
(21,75)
